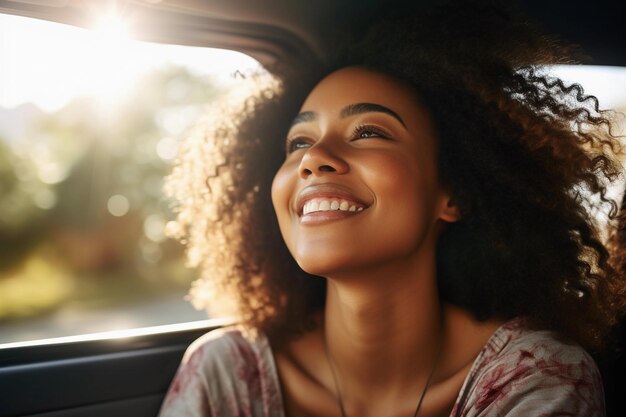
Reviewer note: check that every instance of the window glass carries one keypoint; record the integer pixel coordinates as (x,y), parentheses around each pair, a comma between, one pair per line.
(90,122)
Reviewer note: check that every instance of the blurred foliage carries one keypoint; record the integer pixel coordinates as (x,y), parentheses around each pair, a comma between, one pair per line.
(21,221)
(62,234)
(36,286)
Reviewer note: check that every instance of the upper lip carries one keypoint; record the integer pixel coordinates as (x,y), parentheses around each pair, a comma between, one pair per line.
(327,190)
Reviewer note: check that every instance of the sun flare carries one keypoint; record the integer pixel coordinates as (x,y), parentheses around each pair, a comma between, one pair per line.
(111,29)
(110,52)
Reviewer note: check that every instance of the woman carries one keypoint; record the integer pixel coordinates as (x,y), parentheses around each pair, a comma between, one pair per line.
(403,232)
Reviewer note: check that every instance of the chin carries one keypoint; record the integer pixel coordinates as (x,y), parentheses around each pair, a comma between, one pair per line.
(330,263)
(323,265)
(314,267)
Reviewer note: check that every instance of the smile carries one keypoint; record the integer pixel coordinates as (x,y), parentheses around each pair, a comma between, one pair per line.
(320,203)
(325,204)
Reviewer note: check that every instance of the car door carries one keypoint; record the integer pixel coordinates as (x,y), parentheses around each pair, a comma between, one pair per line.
(123,374)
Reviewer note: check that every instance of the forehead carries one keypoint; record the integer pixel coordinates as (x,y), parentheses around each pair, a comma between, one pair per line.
(359,85)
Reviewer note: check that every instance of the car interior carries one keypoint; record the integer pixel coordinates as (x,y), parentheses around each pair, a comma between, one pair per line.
(128,375)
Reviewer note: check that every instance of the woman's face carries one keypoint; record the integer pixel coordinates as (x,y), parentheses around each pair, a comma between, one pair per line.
(359,187)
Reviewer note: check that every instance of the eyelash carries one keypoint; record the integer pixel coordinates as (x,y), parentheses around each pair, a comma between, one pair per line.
(369,128)
(292,143)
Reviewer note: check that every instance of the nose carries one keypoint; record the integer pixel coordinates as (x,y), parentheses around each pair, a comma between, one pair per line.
(320,159)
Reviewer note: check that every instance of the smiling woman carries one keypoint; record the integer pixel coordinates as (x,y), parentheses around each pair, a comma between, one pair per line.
(406,231)
(379,157)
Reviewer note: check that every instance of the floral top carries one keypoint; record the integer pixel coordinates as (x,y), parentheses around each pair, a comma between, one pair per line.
(518,373)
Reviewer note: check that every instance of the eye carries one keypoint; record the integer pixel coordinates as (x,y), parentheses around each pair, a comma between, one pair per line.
(296,143)
(367,131)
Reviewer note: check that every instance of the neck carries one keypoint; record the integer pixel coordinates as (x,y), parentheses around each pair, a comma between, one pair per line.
(383,329)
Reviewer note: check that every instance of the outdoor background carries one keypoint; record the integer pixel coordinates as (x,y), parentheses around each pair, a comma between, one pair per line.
(90,122)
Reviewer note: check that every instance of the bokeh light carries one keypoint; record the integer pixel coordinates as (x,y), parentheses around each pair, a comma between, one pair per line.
(118,205)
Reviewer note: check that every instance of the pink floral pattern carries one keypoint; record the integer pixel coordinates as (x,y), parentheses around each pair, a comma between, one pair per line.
(519,373)
(522,372)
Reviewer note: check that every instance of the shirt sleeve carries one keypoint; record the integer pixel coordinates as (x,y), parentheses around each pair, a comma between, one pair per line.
(225,374)
(188,393)
(540,383)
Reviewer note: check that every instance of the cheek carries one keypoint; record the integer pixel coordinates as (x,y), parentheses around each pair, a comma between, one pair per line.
(282,191)
(406,193)
(394,180)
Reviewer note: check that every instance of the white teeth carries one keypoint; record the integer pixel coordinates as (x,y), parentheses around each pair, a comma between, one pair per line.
(328,205)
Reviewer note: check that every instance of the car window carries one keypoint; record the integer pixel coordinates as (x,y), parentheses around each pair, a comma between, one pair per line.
(90,122)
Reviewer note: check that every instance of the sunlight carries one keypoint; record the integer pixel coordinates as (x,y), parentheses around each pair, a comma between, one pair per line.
(111,29)
(50,64)
(110,50)
(125,333)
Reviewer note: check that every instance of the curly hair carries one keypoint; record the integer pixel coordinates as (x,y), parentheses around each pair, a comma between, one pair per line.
(525,156)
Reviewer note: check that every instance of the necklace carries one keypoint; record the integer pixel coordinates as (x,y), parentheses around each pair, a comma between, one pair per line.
(342,410)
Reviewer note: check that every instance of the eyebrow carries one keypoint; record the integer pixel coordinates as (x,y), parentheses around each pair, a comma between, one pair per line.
(350,110)
(305,116)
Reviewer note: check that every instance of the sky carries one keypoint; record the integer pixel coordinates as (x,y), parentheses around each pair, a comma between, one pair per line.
(49,64)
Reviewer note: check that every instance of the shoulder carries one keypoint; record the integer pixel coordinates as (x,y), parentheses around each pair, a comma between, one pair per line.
(522,371)
(226,349)
(224,372)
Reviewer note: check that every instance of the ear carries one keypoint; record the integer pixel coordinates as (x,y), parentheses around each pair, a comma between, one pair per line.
(448,211)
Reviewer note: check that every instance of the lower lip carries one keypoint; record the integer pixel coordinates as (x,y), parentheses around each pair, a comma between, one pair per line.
(327,216)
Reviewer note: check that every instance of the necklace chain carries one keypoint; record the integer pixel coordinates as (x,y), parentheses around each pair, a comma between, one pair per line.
(342,409)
